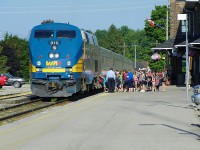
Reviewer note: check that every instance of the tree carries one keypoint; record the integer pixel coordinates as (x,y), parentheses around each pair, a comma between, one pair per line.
(110,39)
(158,16)
(3,60)
(102,36)
(17,52)
(158,33)
(115,40)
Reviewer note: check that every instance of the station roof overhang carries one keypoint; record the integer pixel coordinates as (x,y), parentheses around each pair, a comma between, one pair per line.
(196,42)
(178,43)
(168,45)
(191,41)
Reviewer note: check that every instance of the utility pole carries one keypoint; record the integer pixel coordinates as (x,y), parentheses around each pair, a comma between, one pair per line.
(124,52)
(135,56)
(156,43)
(167,21)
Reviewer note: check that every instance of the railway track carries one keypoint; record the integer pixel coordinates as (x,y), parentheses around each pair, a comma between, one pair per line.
(26,108)
(12,113)
(2,97)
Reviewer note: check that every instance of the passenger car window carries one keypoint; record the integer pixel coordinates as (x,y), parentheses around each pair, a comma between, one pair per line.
(43,34)
(66,34)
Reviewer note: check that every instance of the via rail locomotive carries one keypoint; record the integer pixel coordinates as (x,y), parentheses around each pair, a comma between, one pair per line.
(65,60)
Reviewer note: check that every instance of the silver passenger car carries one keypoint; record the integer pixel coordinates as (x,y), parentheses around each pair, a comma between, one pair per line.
(17,82)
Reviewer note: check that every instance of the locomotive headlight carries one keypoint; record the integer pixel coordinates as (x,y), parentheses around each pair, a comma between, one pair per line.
(51,55)
(68,63)
(39,63)
(54,47)
(57,55)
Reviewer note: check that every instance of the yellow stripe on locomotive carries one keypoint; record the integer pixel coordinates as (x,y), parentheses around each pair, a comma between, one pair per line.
(76,68)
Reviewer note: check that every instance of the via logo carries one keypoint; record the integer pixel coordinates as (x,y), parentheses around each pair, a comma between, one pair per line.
(53,63)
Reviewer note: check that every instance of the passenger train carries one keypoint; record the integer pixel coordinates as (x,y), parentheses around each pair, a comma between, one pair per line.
(65,60)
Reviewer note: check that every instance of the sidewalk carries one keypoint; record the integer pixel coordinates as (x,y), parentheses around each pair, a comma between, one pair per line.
(110,121)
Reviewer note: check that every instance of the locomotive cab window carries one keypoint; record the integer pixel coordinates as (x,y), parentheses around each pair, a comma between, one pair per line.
(43,34)
(65,34)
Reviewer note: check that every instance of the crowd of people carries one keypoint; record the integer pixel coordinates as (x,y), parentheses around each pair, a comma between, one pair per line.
(141,80)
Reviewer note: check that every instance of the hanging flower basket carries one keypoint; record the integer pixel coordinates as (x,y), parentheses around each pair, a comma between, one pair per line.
(155,57)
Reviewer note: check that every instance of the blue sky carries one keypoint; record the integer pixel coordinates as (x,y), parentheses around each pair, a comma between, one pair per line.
(19,16)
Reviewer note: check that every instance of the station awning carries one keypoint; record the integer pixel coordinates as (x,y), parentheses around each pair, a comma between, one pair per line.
(196,42)
(177,43)
(168,45)
(190,41)
(165,45)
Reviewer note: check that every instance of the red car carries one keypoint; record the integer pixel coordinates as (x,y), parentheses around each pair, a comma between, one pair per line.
(3,79)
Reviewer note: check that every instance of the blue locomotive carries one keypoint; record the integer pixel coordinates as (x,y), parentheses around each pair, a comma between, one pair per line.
(65,60)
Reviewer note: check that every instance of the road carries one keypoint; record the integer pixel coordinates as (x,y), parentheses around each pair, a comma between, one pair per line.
(110,121)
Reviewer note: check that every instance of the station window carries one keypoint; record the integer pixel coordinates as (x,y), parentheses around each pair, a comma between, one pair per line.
(43,34)
(65,34)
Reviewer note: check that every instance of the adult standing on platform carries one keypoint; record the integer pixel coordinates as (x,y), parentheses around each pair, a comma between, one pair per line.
(110,78)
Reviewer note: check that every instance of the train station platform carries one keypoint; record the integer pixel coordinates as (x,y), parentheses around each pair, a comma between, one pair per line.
(9,90)
(110,121)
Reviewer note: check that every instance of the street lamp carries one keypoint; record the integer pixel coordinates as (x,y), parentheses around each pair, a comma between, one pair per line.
(184,17)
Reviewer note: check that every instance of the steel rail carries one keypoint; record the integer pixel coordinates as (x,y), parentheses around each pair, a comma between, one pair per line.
(30,110)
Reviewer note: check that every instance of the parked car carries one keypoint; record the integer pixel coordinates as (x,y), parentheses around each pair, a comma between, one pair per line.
(17,82)
(3,80)
(196,96)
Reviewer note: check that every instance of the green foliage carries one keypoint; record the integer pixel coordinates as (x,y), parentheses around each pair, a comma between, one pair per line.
(158,33)
(114,40)
(16,51)
(102,36)
(3,60)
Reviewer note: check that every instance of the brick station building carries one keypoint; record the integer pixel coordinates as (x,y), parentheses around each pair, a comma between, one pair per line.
(175,47)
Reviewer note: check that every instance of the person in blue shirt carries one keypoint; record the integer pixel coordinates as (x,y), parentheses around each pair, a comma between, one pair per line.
(129,81)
